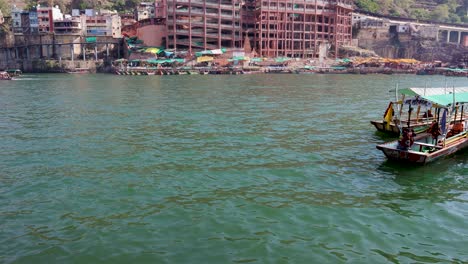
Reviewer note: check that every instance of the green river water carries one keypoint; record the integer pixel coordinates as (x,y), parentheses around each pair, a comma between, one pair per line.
(218,169)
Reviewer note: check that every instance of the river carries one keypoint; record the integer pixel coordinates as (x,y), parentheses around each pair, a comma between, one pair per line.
(218,169)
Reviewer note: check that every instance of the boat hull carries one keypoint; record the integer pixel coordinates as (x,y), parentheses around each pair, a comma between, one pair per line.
(394,129)
(422,152)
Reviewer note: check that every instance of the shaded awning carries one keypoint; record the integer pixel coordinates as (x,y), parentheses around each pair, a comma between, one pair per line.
(210,52)
(155,61)
(204,58)
(239,58)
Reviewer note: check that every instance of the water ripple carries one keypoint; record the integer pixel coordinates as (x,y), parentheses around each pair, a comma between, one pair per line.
(217,169)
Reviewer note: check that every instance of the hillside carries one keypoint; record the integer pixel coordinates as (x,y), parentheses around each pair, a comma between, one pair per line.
(452,11)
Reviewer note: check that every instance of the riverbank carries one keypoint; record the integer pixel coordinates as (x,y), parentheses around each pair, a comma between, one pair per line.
(124,67)
(282,70)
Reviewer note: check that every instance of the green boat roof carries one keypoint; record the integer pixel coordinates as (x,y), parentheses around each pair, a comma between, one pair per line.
(447,99)
(422,91)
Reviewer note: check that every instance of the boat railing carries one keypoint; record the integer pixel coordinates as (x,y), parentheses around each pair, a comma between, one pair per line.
(422,144)
(455,137)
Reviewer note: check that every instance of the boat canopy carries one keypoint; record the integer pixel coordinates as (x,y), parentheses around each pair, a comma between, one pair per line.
(448,99)
(432,91)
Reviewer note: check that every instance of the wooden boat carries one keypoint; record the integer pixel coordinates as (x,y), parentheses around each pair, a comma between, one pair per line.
(5,76)
(14,72)
(442,141)
(423,150)
(416,117)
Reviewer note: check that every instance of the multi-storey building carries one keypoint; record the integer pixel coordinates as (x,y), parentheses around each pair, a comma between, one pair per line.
(145,10)
(297,28)
(292,28)
(46,16)
(16,20)
(203,24)
(33,22)
(160,9)
(24,22)
(70,26)
(107,25)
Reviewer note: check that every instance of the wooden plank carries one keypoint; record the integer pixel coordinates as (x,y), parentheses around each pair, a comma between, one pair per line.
(427,145)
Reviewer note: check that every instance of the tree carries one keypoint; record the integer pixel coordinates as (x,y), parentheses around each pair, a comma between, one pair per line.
(440,13)
(368,5)
(420,13)
(5,7)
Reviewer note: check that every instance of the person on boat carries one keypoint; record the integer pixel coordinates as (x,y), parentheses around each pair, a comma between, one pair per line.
(428,114)
(434,130)
(455,129)
(407,139)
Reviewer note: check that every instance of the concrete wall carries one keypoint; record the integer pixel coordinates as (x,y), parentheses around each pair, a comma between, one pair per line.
(152,35)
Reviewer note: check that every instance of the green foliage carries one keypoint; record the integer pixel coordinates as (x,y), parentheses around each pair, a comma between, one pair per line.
(420,13)
(368,5)
(440,13)
(5,7)
(452,11)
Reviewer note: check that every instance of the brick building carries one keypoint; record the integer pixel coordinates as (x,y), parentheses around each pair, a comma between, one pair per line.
(203,24)
(298,28)
(292,28)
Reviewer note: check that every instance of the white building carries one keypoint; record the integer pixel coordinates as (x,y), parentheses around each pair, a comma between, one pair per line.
(16,19)
(33,22)
(46,16)
(145,10)
(104,25)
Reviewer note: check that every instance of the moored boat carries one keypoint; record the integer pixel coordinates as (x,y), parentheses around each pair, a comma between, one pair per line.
(417,116)
(438,141)
(14,72)
(424,150)
(5,76)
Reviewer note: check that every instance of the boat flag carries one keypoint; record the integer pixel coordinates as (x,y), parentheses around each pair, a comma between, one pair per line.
(388,116)
(443,122)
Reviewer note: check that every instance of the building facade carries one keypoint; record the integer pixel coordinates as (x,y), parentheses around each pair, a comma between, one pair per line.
(203,24)
(70,26)
(46,16)
(145,10)
(33,22)
(291,28)
(104,25)
(160,9)
(16,20)
(299,28)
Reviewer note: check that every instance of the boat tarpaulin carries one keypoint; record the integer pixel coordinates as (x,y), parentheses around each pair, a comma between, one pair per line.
(153,61)
(152,50)
(240,58)
(282,59)
(210,52)
(204,58)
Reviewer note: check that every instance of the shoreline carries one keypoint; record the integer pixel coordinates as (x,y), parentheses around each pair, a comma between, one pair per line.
(109,67)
